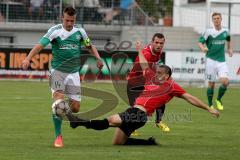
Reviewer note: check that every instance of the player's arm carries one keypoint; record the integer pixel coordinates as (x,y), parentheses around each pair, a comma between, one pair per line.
(35,50)
(44,41)
(202,41)
(202,47)
(93,50)
(198,103)
(229,46)
(142,60)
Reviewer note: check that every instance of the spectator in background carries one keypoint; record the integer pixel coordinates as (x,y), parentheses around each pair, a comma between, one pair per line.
(2,19)
(51,10)
(122,11)
(67,3)
(91,8)
(36,9)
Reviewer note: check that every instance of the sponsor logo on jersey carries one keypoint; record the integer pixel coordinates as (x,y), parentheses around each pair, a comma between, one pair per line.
(69,46)
(218,42)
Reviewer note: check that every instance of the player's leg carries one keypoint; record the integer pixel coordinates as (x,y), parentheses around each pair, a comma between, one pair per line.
(57,122)
(56,82)
(119,137)
(133,92)
(210,93)
(159,113)
(112,121)
(73,91)
(223,77)
(74,105)
(211,78)
(158,121)
(132,119)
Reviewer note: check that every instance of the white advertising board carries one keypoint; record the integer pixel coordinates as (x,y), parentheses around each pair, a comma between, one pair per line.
(190,66)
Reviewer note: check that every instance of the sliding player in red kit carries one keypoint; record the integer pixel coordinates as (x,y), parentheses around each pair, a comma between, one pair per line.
(159,89)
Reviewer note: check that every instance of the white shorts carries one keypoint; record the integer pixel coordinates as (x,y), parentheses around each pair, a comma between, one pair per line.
(69,83)
(216,69)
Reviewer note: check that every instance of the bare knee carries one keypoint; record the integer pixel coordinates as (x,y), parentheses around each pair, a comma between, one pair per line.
(225,83)
(75,106)
(211,85)
(58,95)
(114,120)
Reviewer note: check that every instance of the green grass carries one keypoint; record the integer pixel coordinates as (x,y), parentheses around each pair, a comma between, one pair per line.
(26,130)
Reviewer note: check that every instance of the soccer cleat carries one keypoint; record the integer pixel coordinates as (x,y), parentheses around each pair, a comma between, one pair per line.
(58,143)
(163,126)
(135,133)
(219,105)
(212,107)
(75,122)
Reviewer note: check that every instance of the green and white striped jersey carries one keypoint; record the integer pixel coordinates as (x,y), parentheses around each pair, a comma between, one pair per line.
(66,47)
(215,41)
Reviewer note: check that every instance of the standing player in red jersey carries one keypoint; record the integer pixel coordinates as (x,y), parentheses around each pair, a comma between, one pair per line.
(160,88)
(135,85)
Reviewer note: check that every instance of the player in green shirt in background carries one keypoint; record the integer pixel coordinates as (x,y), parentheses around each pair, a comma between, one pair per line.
(66,41)
(216,66)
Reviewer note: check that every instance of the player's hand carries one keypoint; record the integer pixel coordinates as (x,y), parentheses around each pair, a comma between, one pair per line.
(25,64)
(214,112)
(138,45)
(205,49)
(99,63)
(230,52)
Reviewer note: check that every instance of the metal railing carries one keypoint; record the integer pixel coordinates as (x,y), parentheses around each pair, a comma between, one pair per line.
(107,12)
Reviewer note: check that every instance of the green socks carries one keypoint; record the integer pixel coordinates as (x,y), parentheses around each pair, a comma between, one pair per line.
(210,92)
(221,91)
(57,122)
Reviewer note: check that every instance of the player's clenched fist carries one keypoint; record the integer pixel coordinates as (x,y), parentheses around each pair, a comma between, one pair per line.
(99,63)
(25,64)
(138,45)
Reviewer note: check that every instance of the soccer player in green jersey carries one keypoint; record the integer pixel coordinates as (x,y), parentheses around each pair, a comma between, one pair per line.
(216,66)
(66,41)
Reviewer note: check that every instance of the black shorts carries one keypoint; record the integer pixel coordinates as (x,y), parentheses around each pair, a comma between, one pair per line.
(132,119)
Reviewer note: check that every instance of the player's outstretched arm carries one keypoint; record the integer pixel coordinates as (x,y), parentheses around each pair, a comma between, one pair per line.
(198,103)
(36,49)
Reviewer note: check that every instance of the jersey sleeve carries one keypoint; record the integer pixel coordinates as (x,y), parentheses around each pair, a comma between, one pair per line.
(203,38)
(49,36)
(177,91)
(85,39)
(228,38)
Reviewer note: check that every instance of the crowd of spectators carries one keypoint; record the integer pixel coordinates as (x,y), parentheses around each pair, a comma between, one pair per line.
(95,11)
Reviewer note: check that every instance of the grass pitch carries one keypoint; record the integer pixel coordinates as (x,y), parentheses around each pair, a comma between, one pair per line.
(26,129)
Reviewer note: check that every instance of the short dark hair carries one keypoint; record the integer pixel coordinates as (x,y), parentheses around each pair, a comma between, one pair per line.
(158,35)
(70,11)
(216,14)
(168,70)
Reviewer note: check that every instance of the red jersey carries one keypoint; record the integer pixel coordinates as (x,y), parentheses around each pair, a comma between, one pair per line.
(135,76)
(156,93)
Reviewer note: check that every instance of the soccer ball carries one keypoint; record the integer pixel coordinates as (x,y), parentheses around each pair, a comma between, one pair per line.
(60,108)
